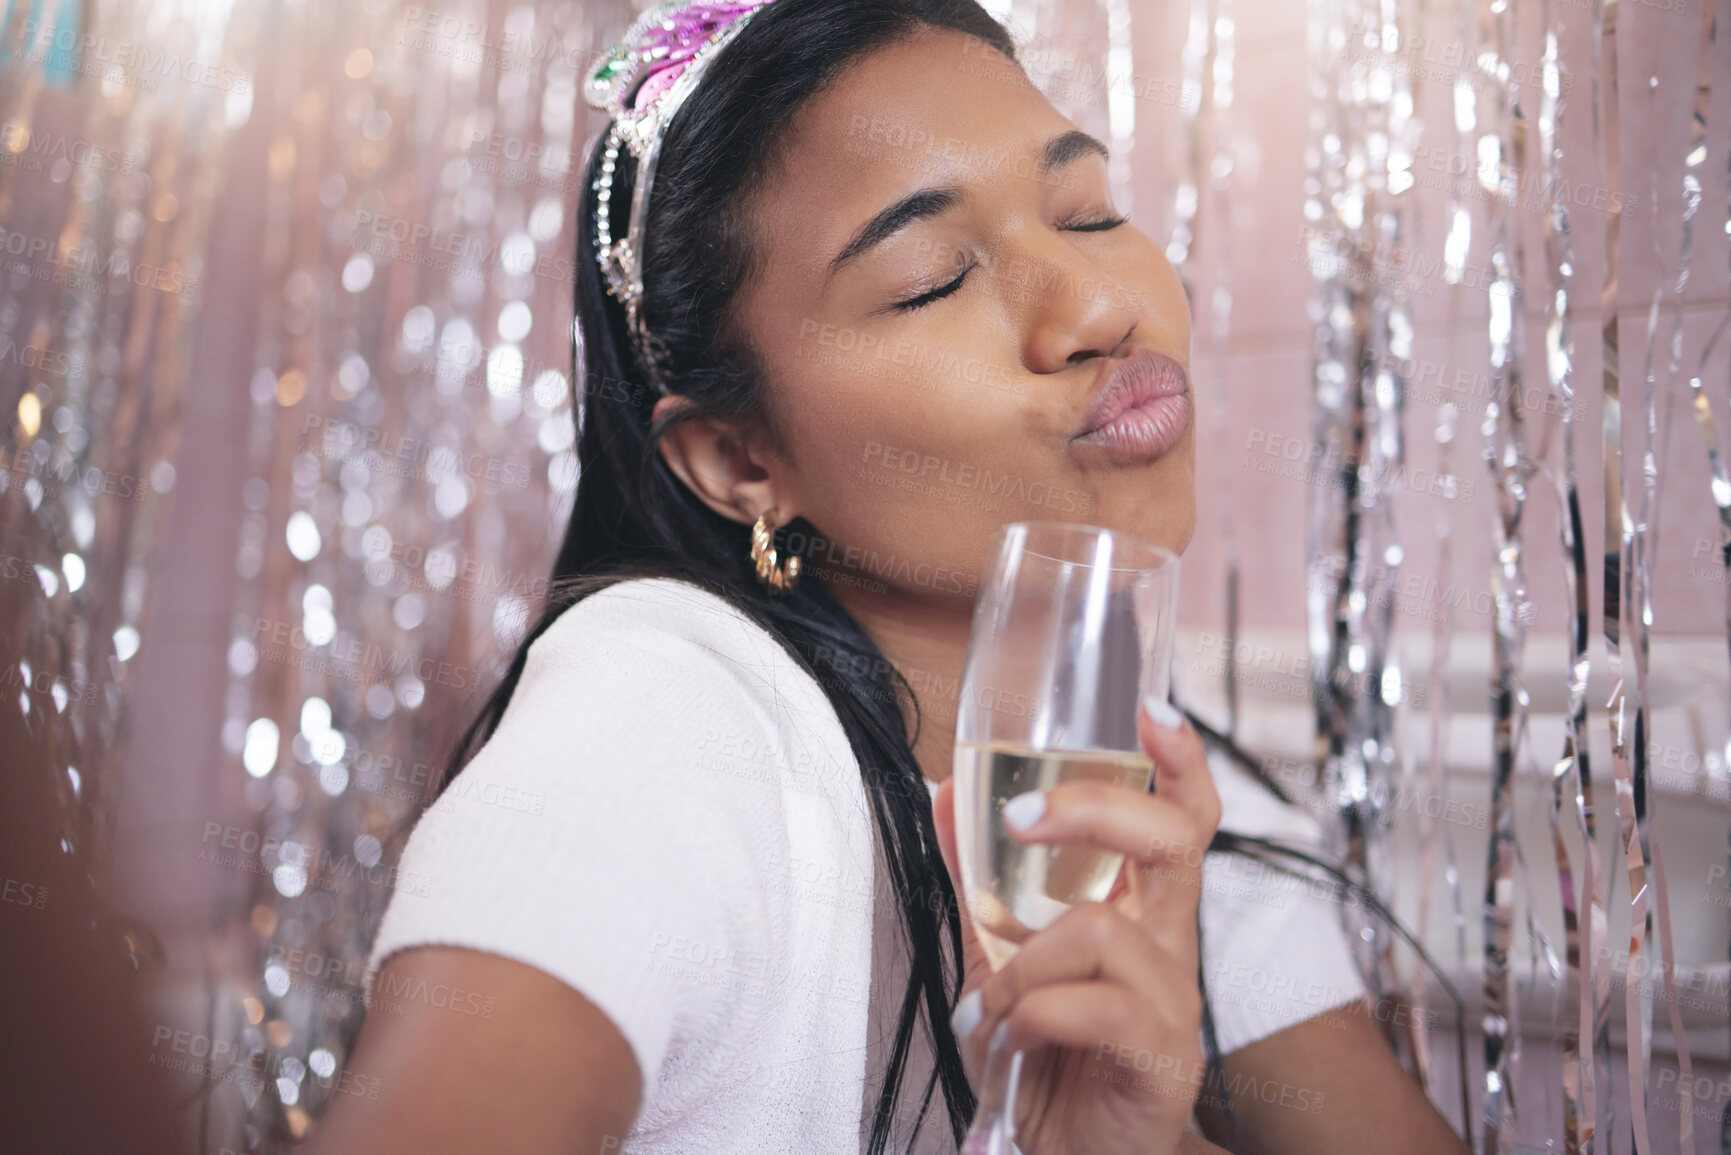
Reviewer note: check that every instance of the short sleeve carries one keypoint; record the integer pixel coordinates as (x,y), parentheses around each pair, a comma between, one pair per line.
(588,839)
(1273,949)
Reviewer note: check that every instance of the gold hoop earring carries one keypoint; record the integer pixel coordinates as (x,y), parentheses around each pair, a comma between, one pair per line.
(779,576)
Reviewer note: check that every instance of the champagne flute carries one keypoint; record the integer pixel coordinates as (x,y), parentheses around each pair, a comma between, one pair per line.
(1072,629)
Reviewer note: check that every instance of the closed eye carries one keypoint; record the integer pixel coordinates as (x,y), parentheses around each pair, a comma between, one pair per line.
(912,303)
(936,294)
(1098,226)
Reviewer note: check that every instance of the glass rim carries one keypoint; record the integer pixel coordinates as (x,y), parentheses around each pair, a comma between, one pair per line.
(1162,558)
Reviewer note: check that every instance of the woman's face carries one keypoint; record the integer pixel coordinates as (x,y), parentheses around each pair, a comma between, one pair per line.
(949,319)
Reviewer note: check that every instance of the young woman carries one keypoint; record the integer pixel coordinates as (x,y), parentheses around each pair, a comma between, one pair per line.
(696,895)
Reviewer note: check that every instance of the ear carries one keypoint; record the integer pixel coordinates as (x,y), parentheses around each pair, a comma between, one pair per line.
(733,471)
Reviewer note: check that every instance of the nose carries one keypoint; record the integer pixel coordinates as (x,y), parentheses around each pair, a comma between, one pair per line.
(1074,310)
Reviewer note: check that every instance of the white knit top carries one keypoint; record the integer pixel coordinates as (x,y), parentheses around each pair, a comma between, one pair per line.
(669,819)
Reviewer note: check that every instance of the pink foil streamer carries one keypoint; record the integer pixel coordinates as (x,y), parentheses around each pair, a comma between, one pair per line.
(1360,168)
(1457,243)
(1512,470)
(410,444)
(1572,769)
(1639,580)
(1619,573)
(1720,487)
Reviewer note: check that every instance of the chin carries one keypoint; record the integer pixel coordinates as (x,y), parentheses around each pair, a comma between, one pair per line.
(1166,517)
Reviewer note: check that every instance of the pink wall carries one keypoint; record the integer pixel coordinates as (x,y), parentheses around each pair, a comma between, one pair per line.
(1267,365)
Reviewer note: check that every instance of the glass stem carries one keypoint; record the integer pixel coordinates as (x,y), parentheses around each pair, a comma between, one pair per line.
(994,1128)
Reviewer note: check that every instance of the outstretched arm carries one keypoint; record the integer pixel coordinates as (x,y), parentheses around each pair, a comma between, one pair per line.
(548,1072)
(1323,1086)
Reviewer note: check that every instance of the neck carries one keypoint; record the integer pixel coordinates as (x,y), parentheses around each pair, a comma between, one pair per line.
(927,641)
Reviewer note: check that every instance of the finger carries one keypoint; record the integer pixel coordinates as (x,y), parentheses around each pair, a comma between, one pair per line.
(1103,1022)
(944,815)
(1097,943)
(1180,764)
(1145,828)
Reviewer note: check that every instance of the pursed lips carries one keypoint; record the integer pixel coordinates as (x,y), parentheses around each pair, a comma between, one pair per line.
(1141,407)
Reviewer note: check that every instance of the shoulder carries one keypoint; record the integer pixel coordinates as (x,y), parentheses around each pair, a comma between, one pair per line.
(657,683)
(641,792)
(651,609)
(677,635)
(652,715)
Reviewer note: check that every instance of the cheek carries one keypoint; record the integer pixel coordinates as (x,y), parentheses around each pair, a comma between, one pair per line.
(1147,272)
(907,481)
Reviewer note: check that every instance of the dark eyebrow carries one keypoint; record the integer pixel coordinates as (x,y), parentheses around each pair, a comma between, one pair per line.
(928,202)
(918,206)
(1063,149)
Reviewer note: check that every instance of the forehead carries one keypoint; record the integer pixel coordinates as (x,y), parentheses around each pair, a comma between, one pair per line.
(937,108)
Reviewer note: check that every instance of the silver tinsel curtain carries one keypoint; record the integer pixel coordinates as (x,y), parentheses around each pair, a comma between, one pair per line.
(286,358)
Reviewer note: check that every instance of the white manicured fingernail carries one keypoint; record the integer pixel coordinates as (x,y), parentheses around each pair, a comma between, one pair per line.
(967,1015)
(1024,810)
(1163,712)
(1001,1034)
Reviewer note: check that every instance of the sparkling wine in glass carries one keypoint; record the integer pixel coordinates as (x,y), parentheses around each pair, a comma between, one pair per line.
(1073,628)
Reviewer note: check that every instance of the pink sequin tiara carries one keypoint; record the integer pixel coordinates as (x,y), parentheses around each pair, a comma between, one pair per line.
(641,82)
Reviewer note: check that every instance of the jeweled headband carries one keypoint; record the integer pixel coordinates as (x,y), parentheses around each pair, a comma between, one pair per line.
(641,82)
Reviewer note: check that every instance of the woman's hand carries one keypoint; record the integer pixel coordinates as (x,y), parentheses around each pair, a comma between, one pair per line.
(1105,1000)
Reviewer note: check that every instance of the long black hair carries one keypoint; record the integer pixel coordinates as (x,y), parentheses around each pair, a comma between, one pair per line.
(633,518)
